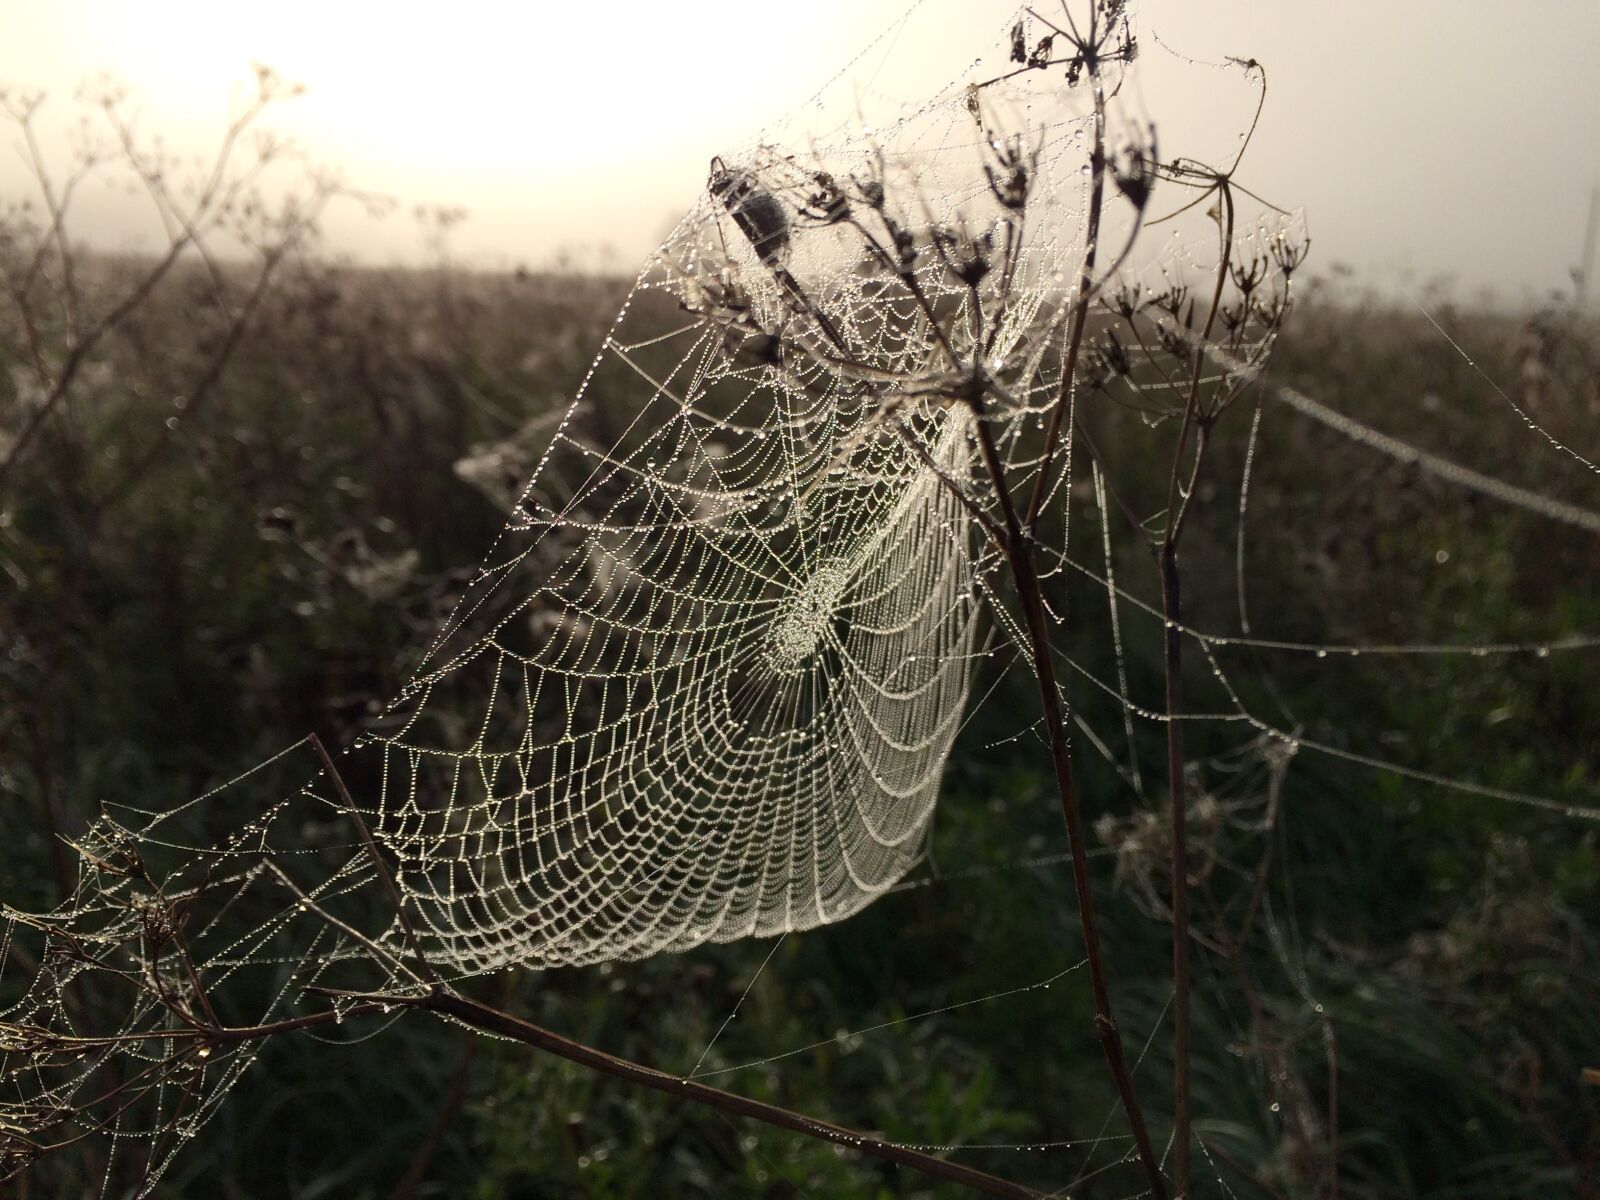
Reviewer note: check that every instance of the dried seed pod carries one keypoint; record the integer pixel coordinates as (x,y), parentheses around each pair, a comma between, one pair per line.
(759,214)
(826,203)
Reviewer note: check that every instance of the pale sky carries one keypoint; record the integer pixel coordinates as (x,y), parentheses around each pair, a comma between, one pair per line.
(1423,138)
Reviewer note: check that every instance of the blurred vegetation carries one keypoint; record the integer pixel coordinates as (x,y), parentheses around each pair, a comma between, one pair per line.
(1384,966)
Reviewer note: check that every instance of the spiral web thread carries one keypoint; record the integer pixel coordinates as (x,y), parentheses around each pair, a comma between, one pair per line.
(705,685)
(720,656)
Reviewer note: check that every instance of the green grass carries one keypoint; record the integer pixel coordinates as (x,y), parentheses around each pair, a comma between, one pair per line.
(228,606)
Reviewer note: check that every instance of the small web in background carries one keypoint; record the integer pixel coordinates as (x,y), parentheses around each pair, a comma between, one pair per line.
(706,685)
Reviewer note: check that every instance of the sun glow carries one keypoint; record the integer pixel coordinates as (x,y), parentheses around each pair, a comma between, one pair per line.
(560,125)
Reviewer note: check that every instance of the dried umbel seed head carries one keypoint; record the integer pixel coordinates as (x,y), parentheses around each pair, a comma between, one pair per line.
(1173,299)
(1116,354)
(759,214)
(826,204)
(1039,56)
(1288,252)
(1107,360)
(1011,174)
(905,244)
(964,256)
(1248,273)
(872,194)
(1127,299)
(1134,169)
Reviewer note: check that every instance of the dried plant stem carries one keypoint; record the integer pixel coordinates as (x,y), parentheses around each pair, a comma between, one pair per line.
(206,384)
(487,1019)
(1173,669)
(390,888)
(492,1020)
(1178,497)
(1080,314)
(1025,574)
(82,348)
(1015,539)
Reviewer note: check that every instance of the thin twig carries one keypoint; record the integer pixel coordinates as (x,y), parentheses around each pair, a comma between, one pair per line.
(1024,571)
(503,1024)
(389,885)
(1080,315)
(1172,664)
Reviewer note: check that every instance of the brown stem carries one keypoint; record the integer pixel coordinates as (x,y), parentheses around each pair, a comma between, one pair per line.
(1024,571)
(1171,608)
(79,353)
(57,208)
(492,1020)
(1181,1086)
(502,1024)
(204,385)
(1069,368)
(391,889)
(1027,579)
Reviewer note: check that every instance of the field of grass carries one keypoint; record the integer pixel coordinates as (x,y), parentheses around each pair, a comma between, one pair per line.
(1391,976)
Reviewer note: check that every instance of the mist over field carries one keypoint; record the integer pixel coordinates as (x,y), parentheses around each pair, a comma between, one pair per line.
(1444,141)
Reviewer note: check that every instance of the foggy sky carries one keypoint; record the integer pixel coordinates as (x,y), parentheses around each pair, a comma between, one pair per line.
(1426,140)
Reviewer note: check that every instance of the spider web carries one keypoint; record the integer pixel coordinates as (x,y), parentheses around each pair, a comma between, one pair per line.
(706,684)
(719,657)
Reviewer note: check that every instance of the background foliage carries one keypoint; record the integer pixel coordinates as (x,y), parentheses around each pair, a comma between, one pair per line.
(279,559)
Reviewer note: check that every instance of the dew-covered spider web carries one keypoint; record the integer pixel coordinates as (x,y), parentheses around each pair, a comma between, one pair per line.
(707,683)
